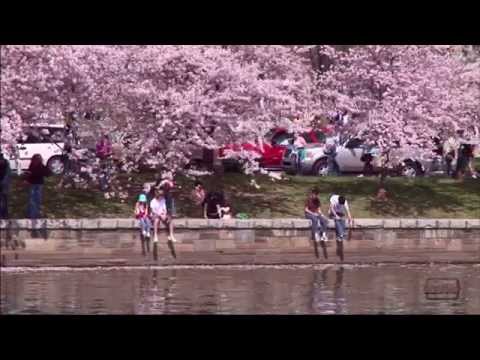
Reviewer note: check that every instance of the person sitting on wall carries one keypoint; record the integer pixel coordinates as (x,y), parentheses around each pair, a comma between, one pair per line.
(159,212)
(215,206)
(313,212)
(338,210)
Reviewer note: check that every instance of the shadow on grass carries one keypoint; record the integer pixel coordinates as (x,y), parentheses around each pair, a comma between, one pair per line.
(418,198)
(407,197)
(435,197)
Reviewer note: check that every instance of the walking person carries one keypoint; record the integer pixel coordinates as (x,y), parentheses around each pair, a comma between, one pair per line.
(470,156)
(450,147)
(35,176)
(143,216)
(5,173)
(331,153)
(299,146)
(104,153)
(338,210)
(465,161)
(313,212)
(367,159)
(158,205)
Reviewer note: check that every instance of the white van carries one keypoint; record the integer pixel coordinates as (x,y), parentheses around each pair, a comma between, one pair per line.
(46,140)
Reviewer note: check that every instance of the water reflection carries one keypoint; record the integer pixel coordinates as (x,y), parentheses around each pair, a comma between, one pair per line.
(277,290)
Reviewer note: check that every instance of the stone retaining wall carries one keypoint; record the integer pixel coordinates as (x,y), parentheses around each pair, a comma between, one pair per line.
(233,241)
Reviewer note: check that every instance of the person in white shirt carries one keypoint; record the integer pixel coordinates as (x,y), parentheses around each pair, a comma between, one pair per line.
(338,209)
(158,207)
(331,152)
(450,148)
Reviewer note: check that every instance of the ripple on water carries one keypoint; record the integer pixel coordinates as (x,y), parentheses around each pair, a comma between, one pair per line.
(290,289)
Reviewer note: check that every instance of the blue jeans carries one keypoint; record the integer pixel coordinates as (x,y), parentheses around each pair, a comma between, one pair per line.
(332,164)
(145,224)
(170,204)
(300,154)
(340,228)
(34,201)
(319,224)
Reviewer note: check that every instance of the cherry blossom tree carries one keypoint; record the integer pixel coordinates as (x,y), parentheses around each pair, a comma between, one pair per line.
(165,101)
(402,96)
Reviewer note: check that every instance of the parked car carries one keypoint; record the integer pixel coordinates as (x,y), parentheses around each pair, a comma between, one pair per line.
(46,140)
(275,144)
(350,156)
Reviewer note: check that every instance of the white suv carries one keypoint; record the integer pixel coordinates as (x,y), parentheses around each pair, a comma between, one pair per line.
(46,140)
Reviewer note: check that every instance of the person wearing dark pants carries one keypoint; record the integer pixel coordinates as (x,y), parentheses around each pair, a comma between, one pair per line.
(313,212)
(5,173)
(36,173)
(338,210)
(213,204)
(450,148)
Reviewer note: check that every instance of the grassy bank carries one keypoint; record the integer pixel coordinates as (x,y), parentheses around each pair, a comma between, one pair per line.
(427,197)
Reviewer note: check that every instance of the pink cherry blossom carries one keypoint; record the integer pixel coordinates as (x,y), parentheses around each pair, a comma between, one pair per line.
(402,95)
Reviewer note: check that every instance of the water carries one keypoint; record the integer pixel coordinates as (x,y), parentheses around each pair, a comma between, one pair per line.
(323,289)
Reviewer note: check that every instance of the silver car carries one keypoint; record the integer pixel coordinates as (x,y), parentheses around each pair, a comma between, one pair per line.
(349,159)
(315,161)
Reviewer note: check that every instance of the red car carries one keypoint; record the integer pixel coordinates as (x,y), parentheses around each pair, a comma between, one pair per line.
(274,145)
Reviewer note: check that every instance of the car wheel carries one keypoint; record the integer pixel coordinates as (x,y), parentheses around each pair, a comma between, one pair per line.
(320,168)
(56,165)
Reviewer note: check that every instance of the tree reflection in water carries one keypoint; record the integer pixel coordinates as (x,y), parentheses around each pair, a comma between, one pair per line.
(338,289)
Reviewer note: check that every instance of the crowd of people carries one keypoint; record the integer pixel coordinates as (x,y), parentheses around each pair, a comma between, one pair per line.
(456,149)
(156,205)
(456,153)
(33,177)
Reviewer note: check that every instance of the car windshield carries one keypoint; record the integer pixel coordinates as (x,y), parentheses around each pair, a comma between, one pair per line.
(282,138)
(354,143)
(35,135)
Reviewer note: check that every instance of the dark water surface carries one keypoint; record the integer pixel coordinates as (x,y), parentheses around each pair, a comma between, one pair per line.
(325,289)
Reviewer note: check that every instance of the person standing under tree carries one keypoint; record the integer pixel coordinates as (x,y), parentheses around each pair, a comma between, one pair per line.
(5,173)
(35,176)
(338,209)
(331,152)
(450,147)
(314,213)
(299,146)
(198,195)
(104,153)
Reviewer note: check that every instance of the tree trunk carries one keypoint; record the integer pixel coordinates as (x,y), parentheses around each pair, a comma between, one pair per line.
(208,158)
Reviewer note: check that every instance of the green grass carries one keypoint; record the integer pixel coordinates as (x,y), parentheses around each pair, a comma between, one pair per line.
(422,197)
